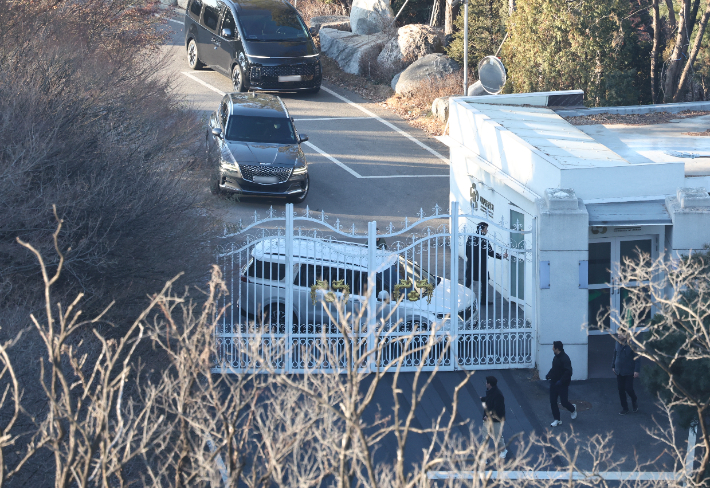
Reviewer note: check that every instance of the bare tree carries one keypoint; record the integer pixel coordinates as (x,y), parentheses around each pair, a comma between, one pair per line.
(677,338)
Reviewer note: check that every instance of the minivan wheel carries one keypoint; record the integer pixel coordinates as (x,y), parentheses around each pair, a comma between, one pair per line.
(238,79)
(301,196)
(275,318)
(193,60)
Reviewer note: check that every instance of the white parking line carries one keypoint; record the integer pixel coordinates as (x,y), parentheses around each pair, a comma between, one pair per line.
(176,21)
(203,83)
(358,175)
(388,124)
(331,158)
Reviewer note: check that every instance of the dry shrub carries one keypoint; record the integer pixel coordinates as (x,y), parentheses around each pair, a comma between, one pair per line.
(358,84)
(374,71)
(87,125)
(415,107)
(315,8)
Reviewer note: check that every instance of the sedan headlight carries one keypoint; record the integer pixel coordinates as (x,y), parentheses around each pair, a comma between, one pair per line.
(227,159)
(301,168)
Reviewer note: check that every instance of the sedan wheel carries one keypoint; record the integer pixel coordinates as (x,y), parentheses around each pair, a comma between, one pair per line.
(238,79)
(193,60)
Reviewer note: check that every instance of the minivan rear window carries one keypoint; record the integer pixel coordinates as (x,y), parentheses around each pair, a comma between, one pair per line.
(196,8)
(280,25)
(267,270)
(211,17)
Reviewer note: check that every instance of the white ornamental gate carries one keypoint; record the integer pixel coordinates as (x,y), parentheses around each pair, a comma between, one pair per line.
(303,301)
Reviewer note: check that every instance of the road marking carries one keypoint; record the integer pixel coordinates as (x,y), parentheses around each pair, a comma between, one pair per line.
(176,21)
(331,158)
(332,118)
(388,124)
(358,175)
(203,83)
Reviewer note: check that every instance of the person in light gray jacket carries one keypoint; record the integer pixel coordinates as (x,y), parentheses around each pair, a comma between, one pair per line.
(626,366)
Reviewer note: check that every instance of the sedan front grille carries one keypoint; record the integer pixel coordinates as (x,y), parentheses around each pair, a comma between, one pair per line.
(249,172)
(288,70)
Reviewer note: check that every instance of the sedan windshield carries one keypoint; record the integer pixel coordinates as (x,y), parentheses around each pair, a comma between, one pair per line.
(269,130)
(276,25)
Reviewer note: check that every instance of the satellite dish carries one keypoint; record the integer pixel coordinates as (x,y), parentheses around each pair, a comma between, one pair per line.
(491,74)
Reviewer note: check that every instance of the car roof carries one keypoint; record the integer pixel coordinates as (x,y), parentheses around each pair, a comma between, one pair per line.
(348,255)
(258,105)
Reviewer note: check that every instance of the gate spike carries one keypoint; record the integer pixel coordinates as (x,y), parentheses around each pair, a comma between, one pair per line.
(421,213)
(353,231)
(390,228)
(307,214)
(406,221)
(337,224)
(256,217)
(271,211)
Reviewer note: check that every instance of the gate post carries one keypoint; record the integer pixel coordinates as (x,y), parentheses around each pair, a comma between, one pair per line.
(288,238)
(454,276)
(372,289)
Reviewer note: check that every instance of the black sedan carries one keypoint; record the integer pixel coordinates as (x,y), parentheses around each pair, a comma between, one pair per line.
(255,150)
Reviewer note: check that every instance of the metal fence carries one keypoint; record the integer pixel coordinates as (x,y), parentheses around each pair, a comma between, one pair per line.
(442,291)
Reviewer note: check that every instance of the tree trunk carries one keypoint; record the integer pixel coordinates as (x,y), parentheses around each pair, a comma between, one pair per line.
(511,7)
(435,10)
(675,63)
(449,18)
(693,54)
(654,51)
(671,14)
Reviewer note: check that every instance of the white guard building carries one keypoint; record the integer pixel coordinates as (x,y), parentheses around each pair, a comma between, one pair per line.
(596,193)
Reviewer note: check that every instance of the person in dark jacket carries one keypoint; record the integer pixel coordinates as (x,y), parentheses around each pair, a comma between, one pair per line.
(477,251)
(494,408)
(626,365)
(560,376)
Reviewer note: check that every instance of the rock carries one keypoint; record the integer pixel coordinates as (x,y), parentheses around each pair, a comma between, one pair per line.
(394,81)
(429,68)
(476,90)
(339,22)
(440,108)
(413,41)
(348,48)
(370,16)
(180,3)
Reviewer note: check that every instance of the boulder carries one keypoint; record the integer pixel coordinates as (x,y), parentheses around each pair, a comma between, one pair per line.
(413,41)
(429,68)
(339,22)
(370,16)
(440,108)
(348,48)
(393,84)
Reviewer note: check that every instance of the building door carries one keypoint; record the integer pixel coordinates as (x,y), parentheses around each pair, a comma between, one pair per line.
(606,256)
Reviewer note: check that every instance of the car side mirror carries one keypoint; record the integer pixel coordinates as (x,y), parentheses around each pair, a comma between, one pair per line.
(302,138)
(227,33)
(217,132)
(313,31)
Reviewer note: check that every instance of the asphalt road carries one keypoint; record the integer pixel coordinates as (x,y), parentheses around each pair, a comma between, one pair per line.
(365,163)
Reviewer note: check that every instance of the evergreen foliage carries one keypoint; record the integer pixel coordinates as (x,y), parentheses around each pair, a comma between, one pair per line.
(589,45)
(486,30)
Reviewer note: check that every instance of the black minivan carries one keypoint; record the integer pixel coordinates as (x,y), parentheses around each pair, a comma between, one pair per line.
(259,44)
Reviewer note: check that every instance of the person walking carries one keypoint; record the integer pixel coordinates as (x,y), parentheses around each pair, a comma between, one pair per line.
(626,365)
(494,413)
(560,376)
(477,251)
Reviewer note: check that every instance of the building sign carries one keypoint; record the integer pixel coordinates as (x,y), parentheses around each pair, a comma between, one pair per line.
(480,203)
